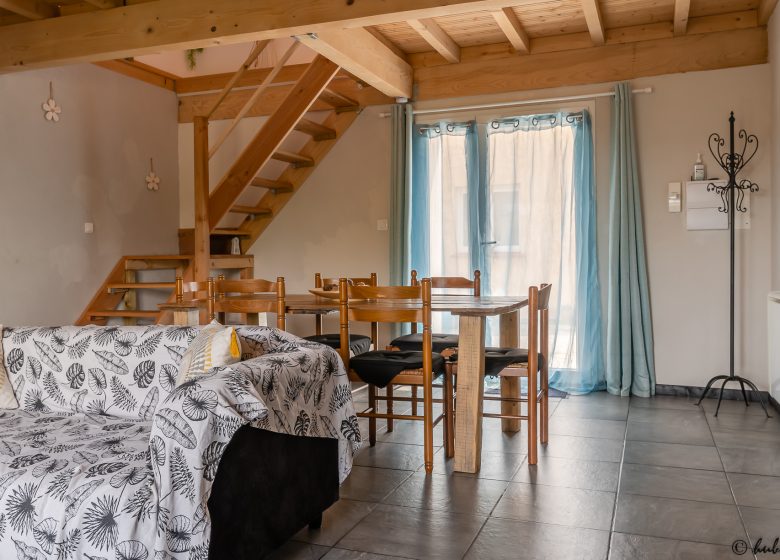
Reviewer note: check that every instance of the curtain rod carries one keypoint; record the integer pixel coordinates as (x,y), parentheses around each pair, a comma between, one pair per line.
(518,103)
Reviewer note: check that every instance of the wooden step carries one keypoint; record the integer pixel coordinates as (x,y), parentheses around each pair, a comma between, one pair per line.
(271,184)
(238,209)
(338,101)
(297,160)
(317,131)
(141,286)
(124,313)
(230,231)
(159,258)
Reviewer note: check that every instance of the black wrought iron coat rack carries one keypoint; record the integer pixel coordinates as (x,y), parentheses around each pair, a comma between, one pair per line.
(733,196)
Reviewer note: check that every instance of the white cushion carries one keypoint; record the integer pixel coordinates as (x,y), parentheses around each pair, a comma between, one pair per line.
(215,346)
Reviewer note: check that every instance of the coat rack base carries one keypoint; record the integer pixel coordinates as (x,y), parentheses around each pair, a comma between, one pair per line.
(732,379)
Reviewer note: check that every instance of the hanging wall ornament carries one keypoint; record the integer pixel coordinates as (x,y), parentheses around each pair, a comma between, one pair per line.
(152,180)
(50,108)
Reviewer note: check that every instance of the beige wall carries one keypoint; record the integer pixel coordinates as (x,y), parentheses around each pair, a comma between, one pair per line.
(689,270)
(774,64)
(89,167)
(330,226)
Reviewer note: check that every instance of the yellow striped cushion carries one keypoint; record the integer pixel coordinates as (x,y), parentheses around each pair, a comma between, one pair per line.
(7,398)
(215,346)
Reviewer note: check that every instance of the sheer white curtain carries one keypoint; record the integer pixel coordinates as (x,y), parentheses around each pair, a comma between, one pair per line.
(448,226)
(532,222)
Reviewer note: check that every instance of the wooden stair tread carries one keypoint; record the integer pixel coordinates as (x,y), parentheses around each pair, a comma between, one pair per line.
(272,184)
(297,160)
(159,258)
(317,131)
(142,286)
(229,231)
(338,101)
(239,209)
(123,313)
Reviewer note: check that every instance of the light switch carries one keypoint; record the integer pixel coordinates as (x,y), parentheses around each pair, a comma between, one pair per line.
(675,197)
(89,227)
(381,225)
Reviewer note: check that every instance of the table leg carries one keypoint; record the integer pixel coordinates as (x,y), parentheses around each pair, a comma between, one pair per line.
(471,384)
(510,386)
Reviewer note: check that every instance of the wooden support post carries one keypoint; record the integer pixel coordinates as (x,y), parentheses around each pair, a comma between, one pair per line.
(202,251)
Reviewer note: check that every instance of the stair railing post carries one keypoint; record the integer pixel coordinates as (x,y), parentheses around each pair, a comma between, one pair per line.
(202,249)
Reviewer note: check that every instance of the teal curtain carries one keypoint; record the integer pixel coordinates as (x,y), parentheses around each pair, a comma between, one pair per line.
(589,374)
(400,203)
(419,228)
(478,201)
(630,364)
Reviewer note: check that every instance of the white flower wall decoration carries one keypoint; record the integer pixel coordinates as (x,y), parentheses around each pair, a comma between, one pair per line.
(152,180)
(51,111)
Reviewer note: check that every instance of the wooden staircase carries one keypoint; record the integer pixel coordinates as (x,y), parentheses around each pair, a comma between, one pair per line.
(117,297)
(205,249)
(268,195)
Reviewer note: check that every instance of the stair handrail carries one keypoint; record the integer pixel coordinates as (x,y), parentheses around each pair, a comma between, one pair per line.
(253,54)
(253,99)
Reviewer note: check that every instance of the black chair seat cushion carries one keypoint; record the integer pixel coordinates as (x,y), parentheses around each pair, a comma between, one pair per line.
(358,343)
(496,359)
(439,342)
(381,366)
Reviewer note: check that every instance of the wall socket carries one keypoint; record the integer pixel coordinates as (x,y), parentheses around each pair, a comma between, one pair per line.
(381,225)
(89,227)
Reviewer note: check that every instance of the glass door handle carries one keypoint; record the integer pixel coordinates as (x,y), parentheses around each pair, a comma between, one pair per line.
(488,242)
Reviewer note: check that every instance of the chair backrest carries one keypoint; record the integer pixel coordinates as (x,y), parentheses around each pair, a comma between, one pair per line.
(196,292)
(383,304)
(333,283)
(249,286)
(450,283)
(453,282)
(538,336)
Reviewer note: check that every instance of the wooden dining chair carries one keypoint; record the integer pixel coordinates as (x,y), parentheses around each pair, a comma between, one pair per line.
(228,293)
(383,368)
(443,343)
(197,292)
(532,363)
(358,343)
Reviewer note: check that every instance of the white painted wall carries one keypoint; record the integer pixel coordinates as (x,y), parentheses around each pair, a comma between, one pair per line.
(89,167)
(330,225)
(774,64)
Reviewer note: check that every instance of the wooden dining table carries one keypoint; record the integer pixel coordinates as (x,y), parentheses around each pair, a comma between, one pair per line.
(472,313)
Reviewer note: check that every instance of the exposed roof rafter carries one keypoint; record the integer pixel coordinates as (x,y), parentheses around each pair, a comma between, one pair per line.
(513,29)
(437,38)
(594,20)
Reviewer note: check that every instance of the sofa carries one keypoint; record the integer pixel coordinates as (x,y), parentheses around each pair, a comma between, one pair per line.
(106,458)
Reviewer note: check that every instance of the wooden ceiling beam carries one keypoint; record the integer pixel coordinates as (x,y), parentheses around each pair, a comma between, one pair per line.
(141,71)
(614,36)
(607,63)
(436,37)
(681,10)
(765,9)
(31,9)
(163,25)
(105,4)
(360,53)
(594,20)
(513,29)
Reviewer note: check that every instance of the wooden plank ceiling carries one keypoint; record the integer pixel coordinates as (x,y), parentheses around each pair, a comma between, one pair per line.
(450,48)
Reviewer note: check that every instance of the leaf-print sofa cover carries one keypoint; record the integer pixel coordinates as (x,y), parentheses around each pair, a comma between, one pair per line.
(107,459)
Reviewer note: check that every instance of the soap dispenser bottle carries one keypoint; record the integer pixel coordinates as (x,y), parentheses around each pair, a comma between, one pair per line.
(698,169)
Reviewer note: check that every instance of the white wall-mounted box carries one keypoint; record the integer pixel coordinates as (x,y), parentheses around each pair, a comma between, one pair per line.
(702,207)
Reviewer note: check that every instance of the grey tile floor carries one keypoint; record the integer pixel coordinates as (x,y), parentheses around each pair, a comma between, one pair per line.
(620,479)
